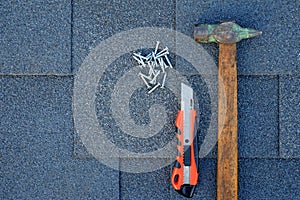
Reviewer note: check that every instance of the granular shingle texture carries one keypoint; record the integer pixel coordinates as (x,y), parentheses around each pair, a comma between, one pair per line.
(151,185)
(43,44)
(37,140)
(38,102)
(274,179)
(290,116)
(35,37)
(258,116)
(96,21)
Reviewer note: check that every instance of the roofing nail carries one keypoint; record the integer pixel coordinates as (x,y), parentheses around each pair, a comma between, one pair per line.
(151,70)
(153,81)
(149,56)
(153,56)
(156,48)
(163,51)
(168,61)
(161,64)
(162,54)
(164,80)
(156,86)
(143,78)
(166,66)
(139,61)
(155,63)
(143,75)
(140,56)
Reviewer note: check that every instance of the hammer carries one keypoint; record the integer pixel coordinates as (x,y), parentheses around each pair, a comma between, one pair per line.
(227,34)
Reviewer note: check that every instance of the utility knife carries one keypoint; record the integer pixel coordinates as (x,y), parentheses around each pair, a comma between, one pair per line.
(185,171)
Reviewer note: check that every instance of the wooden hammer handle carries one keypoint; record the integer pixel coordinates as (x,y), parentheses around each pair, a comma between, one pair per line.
(227,174)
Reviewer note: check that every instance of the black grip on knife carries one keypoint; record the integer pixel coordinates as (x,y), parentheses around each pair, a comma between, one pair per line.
(187,190)
(187,155)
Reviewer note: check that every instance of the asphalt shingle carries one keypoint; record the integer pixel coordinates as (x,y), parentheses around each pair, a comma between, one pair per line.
(258,116)
(35,37)
(139,104)
(37,140)
(151,185)
(41,101)
(274,52)
(289,116)
(269,179)
(96,21)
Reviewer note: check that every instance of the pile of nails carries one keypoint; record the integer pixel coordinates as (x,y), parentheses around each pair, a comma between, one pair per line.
(153,67)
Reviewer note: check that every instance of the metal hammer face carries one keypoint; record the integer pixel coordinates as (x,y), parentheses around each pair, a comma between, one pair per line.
(226,32)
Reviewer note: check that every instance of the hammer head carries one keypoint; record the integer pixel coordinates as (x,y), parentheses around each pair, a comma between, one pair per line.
(225,32)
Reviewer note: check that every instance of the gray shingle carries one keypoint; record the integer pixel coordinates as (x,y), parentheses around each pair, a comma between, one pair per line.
(37,141)
(258,116)
(96,21)
(89,179)
(35,37)
(269,179)
(43,102)
(289,116)
(275,52)
(139,105)
(36,149)
(151,185)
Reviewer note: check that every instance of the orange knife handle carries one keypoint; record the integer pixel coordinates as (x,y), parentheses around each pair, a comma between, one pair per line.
(177,174)
(177,178)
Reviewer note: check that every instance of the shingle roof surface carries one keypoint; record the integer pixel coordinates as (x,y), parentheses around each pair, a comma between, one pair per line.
(43,44)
